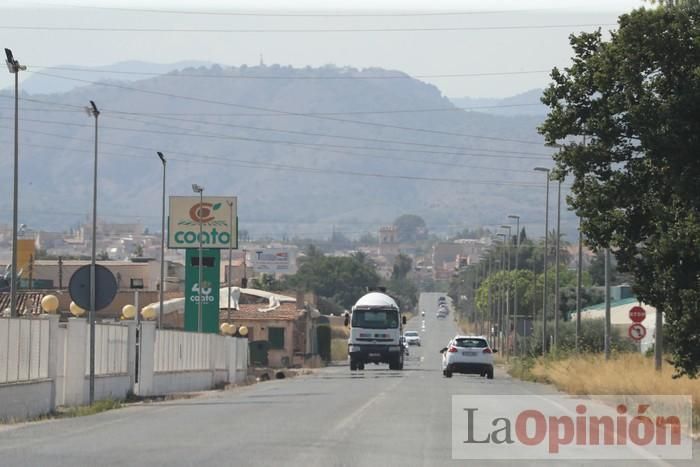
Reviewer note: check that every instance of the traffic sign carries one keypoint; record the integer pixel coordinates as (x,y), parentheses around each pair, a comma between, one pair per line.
(637,314)
(105,287)
(637,331)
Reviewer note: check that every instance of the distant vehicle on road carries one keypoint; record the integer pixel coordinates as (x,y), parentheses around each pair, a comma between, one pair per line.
(412,338)
(468,354)
(376,332)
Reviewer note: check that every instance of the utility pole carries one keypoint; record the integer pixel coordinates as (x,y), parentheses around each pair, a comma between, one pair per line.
(230,253)
(544,292)
(162,248)
(579,275)
(557,311)
(198,189)
(659,340)
(14,67)
(93,112)
(515,289)
(607,304)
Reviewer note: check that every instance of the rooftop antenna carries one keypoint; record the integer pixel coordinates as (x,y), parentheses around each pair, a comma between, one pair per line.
(262,62)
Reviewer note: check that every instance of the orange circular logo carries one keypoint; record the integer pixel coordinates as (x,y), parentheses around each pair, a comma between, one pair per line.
(202,212)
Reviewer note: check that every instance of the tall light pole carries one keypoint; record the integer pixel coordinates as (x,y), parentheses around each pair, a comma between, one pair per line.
(517,254)
(162,246)
(557,312)
(544,286)
(500,297)
(579,275)
(199,189)
(606,344)
(230,253)
(507,326)
(93,112)
(14,67)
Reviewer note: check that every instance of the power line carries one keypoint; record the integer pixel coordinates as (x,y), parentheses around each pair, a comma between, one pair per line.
(178,74)
(307,14)
(283,112)
(325,135)
(322,146)
(305,31)
(278,166)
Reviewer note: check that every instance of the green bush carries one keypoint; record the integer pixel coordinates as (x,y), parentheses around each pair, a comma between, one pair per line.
(591,339)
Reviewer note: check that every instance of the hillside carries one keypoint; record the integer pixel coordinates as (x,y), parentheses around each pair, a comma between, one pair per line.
(526,103)
(293,172)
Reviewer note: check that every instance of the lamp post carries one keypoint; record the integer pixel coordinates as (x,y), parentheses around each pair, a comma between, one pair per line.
(230,253)
(517,254)
(93,112)
(546,233)
(557,312)
(507,326)
(14,67)
(500,297)
(162,247)
(579,274)
(199,189)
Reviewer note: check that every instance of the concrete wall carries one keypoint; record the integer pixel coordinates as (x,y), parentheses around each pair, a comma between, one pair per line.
(218,360)
(22,401)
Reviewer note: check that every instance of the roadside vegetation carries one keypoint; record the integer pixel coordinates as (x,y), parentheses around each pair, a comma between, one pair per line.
(83,410)
(625,373)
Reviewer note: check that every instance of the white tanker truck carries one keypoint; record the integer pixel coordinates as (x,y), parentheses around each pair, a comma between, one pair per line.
(376,332)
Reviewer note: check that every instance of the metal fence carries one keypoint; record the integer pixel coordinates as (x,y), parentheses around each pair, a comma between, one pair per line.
(111,350)
(181,351)
(24,349)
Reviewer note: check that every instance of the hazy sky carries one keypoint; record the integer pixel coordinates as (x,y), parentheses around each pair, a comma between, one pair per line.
(505,47)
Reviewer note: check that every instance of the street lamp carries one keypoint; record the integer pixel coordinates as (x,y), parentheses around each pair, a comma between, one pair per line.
(230,253)
(199,189)
(500,297)
(14,67)
(546,233)
(556,267)
(162,247)
(507,326)
(92,111)
(517,254)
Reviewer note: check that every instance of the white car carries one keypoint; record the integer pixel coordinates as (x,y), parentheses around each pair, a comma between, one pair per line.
(412,338)
(468,354)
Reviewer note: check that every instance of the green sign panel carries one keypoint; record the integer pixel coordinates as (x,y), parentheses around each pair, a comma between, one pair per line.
(208,290)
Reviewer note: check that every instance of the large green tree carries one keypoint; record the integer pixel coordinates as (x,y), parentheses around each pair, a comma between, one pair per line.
(635,97)
(340,279)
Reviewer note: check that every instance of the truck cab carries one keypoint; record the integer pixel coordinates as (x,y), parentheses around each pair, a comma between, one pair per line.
(376,332)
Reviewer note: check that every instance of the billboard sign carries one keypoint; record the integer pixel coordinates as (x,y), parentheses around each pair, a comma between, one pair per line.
(273,260)
(216,214)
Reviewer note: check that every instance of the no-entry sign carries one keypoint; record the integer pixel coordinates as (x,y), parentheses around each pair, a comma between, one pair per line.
(637,314)
(637,331)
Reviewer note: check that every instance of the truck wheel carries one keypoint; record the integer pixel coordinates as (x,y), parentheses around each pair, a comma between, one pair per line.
(489,373)
(353,365)
(394,364)
(361,366)
(447,373)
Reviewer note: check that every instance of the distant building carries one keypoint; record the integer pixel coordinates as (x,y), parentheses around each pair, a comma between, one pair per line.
(622,300)
(450,256)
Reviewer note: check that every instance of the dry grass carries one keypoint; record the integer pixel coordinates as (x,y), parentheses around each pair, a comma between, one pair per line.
(624,374)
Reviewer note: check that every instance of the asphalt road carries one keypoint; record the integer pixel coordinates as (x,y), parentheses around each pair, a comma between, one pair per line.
(374,417)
